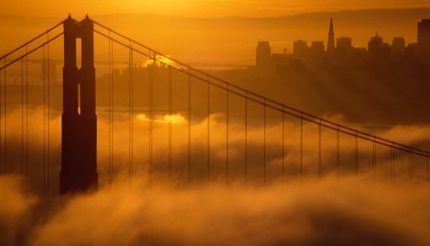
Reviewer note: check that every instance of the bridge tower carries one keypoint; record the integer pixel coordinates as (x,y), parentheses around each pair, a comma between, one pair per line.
(79,120)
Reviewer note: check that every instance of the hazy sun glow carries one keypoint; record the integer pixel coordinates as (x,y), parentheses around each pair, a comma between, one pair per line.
(160,61)
(176,119)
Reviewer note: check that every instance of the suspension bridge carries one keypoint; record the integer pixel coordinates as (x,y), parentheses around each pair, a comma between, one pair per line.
(119,109)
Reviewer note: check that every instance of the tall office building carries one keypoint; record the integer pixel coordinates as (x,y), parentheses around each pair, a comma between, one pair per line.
(423,41)
(399,43)
(317,47)
(330,43)
(344,43)
(375,44)
(263,55)
(300,48)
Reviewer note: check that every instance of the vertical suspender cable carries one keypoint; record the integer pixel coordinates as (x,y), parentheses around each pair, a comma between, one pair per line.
(246,138)
(338,151)
(111,110)
(1,125)
(151,116)
(5,118)
(374,158)
(149,119)
(189,127)
(26,125)
(428,173)
(109,81)
(131,111)
(301,146)
(392,172)
(209,130)
(110,107)
(264,141)
(227,136)
(44,121)
(411,164)
(170,121)
(48,115)
(356,153)
(22,123)
(283,145)
(319,150)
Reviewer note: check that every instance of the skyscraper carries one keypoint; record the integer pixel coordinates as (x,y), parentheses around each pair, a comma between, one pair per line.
(375,44)
(300,48)
(330,43)
(263,55)
(423,42)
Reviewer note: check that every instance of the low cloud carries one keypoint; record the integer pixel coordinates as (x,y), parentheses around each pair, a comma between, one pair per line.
(331,211)
(282,153)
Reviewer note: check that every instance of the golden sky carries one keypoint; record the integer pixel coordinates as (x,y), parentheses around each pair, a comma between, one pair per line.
(194,8)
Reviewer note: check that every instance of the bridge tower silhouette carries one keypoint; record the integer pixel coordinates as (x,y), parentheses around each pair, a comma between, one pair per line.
(79,120)
(184,124)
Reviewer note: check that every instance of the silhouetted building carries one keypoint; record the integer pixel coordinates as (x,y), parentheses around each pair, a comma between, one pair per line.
(399,43)
(411,49)
(423,39)
(317,47)
(398,48)
(344,43)
(263,56)
(377,47)
(375,43)
(300,48)
(330,42)
(343,46)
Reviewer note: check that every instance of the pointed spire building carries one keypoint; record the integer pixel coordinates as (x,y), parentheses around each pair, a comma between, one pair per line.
(330,43)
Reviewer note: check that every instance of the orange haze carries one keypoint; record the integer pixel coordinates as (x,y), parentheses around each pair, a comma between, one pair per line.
(195,8)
